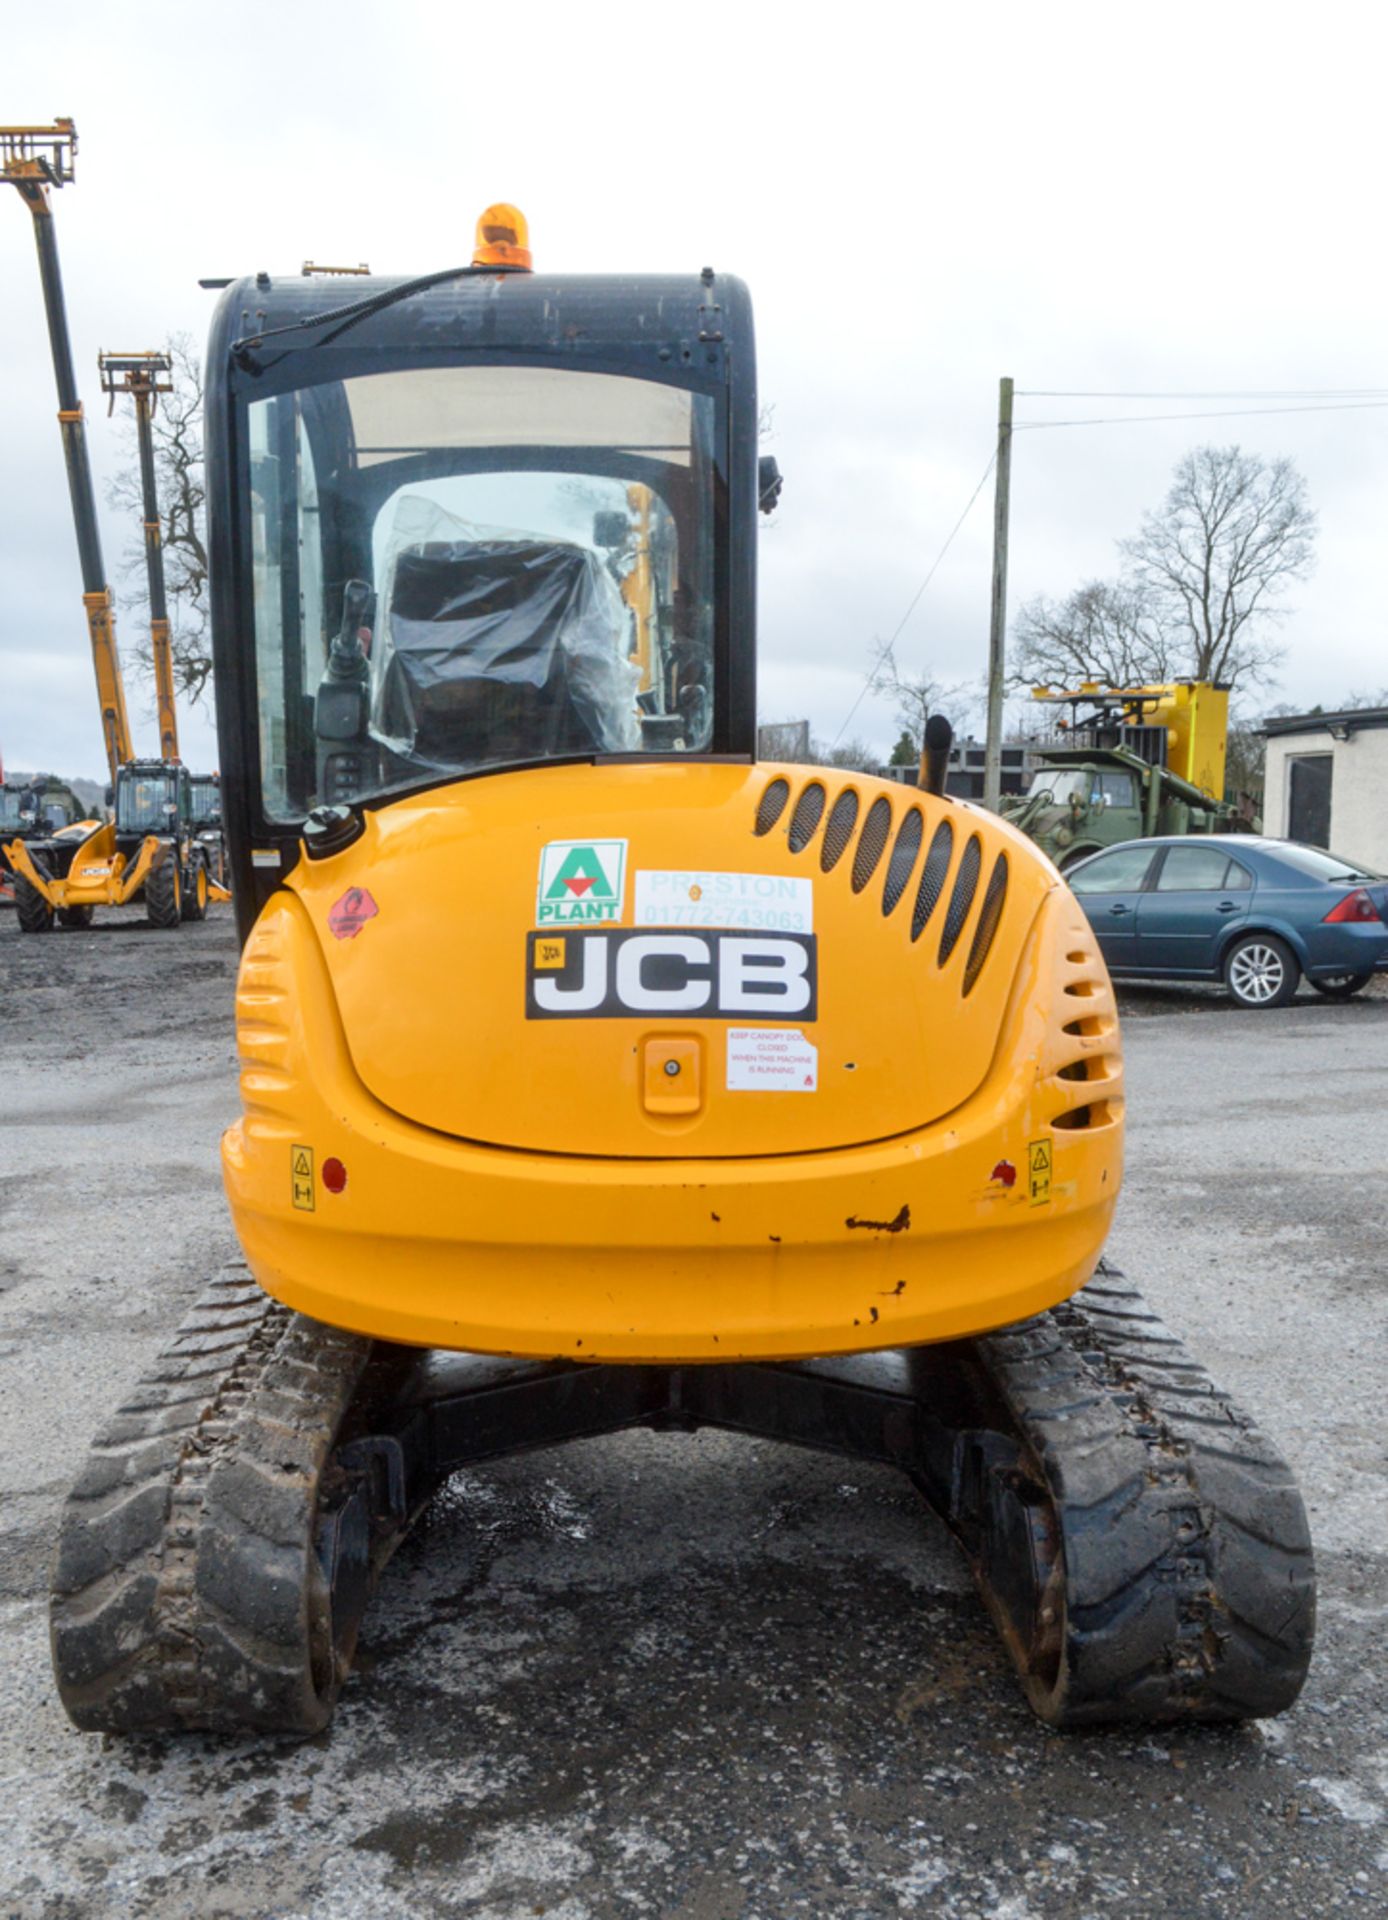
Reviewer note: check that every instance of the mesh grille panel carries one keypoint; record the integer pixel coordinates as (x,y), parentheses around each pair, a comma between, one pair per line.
(965,886)
(773,805)
(908,845)
(933,877)
(990,914)
(809,811)
(843,817)
(871,842)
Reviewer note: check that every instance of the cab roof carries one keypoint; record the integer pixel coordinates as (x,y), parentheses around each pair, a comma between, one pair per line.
(676,320)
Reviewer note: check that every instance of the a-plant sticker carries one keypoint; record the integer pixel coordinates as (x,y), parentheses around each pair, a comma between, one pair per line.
(581,882)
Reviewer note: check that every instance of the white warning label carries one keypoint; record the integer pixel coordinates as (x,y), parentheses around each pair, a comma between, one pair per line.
(771,1060)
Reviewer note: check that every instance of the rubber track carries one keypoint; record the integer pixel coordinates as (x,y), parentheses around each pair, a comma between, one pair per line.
(1189,1580)
(186,1592)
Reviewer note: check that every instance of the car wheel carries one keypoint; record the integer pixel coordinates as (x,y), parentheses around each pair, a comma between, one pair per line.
(1261,971)
(1340,986)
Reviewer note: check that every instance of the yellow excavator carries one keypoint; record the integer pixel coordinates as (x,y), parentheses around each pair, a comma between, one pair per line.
(149,848)
(594,1075)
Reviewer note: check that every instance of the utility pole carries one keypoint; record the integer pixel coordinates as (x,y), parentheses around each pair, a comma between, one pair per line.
(997,627)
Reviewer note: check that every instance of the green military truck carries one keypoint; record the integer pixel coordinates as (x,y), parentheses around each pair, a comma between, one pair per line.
(1129,761)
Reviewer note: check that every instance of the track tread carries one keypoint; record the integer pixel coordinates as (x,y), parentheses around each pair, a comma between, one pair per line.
(186,1590)
(1188,1564)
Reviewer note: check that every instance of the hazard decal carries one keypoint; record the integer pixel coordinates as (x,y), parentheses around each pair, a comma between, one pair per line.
(1039,1172)
(581,883)
(301,1178)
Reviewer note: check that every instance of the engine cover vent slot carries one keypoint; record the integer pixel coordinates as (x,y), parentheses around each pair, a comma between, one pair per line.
(772,806)
(871,842)
(809,811)
(994,895)
(932,877)
(903,860)
(965,886)
(843,817)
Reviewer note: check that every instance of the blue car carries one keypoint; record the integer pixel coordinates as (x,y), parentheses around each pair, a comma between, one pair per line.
(1257,914)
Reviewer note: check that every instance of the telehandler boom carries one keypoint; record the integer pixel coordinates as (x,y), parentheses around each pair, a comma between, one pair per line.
(38,160)
(595,1076)
(141,376)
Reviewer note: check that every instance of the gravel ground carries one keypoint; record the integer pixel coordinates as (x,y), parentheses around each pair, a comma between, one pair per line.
(701,1678)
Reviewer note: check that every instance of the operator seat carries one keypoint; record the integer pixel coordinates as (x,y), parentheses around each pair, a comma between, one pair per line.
(482,638)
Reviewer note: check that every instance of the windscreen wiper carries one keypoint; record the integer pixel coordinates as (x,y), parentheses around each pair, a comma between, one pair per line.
(340,318)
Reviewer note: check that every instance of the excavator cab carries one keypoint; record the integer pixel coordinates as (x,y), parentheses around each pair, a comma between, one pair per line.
(594,1075)
(411,592)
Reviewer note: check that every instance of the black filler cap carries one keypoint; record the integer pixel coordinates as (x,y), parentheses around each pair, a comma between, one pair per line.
(329,829)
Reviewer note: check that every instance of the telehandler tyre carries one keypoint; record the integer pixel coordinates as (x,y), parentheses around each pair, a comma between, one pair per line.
(35,914)
(164,895)
(195,890)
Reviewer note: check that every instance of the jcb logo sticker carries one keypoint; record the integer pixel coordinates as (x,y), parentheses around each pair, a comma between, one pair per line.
(718,976)
(580,881)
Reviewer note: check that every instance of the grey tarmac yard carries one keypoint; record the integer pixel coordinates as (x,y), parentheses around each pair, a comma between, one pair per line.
(700,1678)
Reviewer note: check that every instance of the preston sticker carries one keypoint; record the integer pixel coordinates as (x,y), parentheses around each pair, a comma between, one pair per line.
(718,976)
(753,902)
(581,882)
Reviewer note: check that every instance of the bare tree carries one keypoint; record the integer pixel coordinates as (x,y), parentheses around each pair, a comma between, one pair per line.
(178,464)
(1245,754)
(1105,631)
(1231,536)
(854,755)
(1195,599)
(915,696)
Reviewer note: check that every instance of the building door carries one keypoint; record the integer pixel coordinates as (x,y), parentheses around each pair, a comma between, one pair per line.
(1308,811)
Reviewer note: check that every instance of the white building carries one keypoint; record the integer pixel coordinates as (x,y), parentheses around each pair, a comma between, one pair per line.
(1327,782)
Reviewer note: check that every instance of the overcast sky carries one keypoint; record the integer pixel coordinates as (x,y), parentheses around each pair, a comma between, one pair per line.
(922,199)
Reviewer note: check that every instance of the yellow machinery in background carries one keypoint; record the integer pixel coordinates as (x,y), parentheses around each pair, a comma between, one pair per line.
(594,1076)
(149,850)
(1127,762)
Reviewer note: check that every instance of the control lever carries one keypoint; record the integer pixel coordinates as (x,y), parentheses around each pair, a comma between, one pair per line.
(339,708)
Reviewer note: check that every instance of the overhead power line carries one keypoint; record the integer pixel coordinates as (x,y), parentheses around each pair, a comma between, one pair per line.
(1226,413)
(1201,393)
(915,597)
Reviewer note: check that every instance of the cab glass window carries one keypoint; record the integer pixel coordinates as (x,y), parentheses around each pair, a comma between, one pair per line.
(145,804)
(1117,789)
(1122,871)
(463,567)
(1193,870)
